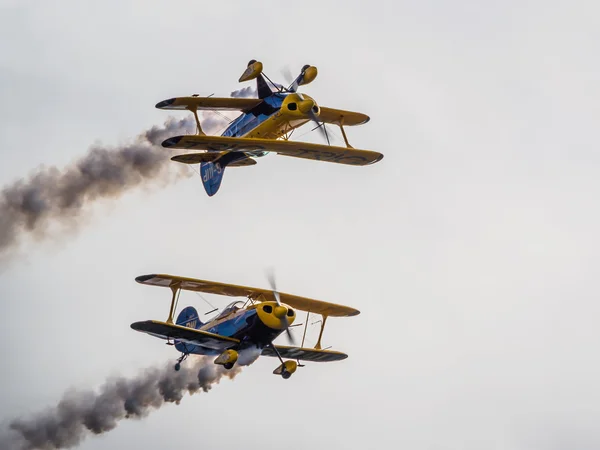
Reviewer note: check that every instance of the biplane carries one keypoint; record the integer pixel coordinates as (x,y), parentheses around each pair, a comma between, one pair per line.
(251,324)
(265,125)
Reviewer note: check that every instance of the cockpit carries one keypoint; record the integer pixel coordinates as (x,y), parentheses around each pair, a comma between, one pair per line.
(231,308)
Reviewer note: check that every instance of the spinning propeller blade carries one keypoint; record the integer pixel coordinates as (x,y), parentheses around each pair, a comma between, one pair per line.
(287,75)
(293,87)
(271,277)
(320,126)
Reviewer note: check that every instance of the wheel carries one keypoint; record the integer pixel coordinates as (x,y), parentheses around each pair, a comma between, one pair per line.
(228,365)
(285,374)
(177,367)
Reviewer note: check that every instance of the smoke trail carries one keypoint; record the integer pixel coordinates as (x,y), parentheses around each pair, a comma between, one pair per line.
(53,196)
(247,92)
(80,414)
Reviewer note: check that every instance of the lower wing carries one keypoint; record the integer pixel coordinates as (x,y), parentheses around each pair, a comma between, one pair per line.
(165,330)
(304,354)
(197,158)
(329,153)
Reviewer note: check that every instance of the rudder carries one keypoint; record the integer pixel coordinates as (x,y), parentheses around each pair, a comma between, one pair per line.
(212,175)
(188,317)
(212,172)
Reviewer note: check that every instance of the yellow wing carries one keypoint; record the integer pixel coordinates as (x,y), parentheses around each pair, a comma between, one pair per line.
(165,330)
(232,290)
(197,158)
(329,153)
(341,117)
(304,354)
(212,103)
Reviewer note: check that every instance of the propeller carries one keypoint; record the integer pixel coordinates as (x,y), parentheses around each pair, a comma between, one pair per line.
(287,75)
(271,277)
(320,126)
(313,116)
(294,83)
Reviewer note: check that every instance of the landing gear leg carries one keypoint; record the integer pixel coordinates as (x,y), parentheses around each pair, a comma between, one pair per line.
(277,352)
(182,358)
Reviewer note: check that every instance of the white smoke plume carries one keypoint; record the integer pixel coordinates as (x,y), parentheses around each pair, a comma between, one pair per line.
(248,355)
(52,196)
(82,414)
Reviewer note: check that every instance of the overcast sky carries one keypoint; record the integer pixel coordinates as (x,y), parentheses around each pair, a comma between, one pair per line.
(471,249)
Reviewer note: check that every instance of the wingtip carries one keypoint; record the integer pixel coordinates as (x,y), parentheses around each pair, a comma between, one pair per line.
(143,278)
(379,158)
(165,103)
(138,326)
(171,142)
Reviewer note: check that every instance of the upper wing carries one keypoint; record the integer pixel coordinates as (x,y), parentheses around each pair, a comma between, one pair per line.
(211,103)
(232,290)
(189,335)
(339,116)
(305,354)
(329,153)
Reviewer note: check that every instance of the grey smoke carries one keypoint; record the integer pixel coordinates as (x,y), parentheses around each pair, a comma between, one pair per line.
(247,92)
(81,414)
(50,195)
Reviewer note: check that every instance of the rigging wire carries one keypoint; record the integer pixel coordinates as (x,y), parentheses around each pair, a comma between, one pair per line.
(209,303)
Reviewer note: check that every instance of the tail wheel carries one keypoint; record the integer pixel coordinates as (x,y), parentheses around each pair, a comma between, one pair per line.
(177,367)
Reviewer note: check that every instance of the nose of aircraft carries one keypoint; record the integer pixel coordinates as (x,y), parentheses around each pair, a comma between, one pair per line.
(306,105)
(280,311)
(277,317)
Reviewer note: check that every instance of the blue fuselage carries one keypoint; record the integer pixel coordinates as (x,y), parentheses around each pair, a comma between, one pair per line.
(244,325)
(246,122)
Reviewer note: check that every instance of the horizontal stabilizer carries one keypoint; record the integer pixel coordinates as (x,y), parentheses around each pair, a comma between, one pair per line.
(305,354)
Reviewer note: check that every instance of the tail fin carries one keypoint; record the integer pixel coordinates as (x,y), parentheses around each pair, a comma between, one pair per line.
(212,175)
(188,317)
(212,172)
(262,87)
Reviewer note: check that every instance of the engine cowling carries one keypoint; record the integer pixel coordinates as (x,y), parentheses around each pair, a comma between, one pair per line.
(301,107)
(272,315)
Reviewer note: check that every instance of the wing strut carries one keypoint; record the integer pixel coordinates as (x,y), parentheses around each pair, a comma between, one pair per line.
(175,289)
(194,110)
(318,346)
(305,327)
(344,133)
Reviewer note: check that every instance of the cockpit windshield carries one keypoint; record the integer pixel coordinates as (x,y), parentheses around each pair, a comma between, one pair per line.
(232,307)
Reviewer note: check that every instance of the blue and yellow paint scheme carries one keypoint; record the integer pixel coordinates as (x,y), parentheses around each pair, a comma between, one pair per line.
(265,126)
(242,325)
